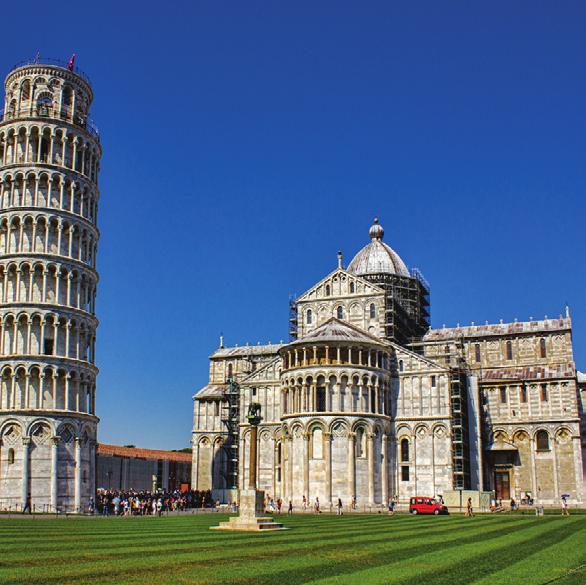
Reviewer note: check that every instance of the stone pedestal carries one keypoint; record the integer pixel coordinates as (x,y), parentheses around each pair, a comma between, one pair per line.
(251,515)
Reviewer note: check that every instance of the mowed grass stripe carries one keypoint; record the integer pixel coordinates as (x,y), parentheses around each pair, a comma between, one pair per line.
(208,542)
(379,564)
(565,562)
(181,550)
(132,544)
(158,561)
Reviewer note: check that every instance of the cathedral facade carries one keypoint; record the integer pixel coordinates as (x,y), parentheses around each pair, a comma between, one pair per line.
(366,401)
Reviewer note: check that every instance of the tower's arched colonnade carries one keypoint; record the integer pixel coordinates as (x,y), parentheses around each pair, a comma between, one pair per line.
(49,164)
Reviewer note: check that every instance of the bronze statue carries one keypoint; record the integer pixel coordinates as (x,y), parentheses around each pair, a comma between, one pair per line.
(253,416)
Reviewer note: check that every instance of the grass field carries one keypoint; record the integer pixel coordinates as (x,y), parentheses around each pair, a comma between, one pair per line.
(325,549)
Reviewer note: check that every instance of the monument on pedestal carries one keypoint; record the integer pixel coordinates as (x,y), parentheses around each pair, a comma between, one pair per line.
(251,510)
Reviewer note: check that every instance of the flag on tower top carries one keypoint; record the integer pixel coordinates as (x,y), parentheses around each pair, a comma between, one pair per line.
(71,61)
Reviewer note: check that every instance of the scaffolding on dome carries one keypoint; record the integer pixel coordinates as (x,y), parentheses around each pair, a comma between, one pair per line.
(407,311)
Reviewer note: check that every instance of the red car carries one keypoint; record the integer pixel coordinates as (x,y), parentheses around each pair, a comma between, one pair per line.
(422,505)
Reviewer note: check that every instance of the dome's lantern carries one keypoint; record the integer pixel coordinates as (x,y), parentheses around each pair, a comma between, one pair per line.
(376,231)
(376,257)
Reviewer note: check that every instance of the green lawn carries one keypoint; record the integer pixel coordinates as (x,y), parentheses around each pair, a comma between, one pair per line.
(318,549)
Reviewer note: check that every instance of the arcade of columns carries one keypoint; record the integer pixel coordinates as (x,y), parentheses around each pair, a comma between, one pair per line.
(343,394)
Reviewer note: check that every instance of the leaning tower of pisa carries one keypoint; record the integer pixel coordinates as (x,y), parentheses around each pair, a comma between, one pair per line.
(49,162)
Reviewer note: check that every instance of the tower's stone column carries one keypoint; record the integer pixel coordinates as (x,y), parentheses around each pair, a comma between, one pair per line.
(49,162)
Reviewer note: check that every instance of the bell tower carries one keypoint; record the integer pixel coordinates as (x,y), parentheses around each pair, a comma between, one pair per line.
(49,162)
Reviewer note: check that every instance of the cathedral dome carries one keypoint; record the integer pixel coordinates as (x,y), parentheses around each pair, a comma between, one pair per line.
(377,257)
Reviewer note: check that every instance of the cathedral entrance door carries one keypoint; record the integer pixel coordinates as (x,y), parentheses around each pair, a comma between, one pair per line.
(502,485)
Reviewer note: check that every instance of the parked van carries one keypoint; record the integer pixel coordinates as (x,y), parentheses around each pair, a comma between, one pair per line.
(423,505)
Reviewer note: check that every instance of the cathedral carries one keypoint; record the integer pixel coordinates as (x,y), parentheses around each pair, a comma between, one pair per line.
(368,402)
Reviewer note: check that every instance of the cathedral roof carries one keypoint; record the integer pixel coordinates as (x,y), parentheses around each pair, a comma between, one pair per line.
(212,391)
(246,350)
(497,329)
(335,330)
(553,371)
(376,257)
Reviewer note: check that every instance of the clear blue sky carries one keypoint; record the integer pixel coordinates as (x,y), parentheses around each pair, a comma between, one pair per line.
(246,142)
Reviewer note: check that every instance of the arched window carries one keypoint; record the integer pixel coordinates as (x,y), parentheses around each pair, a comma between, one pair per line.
(26,90)
(66,100)
(327,290)
(360,442)
(401,365)
(317,444)
(320,398)
(340,312)
(503,392)
(10,456)
(509,350)
(542,440)
(523,393)
(44,104)
(309,316)
(230,371)
(542,347)
(544,395)
(477,352)
(352,288)
(405,450)
(372,311)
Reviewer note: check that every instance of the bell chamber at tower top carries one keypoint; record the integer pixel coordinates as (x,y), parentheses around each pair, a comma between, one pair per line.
(45,120)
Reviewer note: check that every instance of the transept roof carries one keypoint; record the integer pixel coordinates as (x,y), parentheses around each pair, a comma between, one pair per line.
(335,330)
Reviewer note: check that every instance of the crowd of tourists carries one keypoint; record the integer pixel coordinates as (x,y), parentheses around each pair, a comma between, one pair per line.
(133,503)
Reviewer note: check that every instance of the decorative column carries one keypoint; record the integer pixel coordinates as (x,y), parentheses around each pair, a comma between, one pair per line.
(195,470)
(290,466)
(77,478)
(328,458)
(25,471)
(306,437)
(351,465)
(385,469)
(54,471)
(370,469)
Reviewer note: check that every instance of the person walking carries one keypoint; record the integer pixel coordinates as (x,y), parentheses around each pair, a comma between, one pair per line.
(27,505)
(290,508)
(339,510)
(316,506)
(469,510)
(304,503)
(565,511)
(354,502)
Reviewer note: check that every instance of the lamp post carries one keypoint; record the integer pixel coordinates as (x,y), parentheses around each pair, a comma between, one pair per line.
(251,513)
(254,419)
